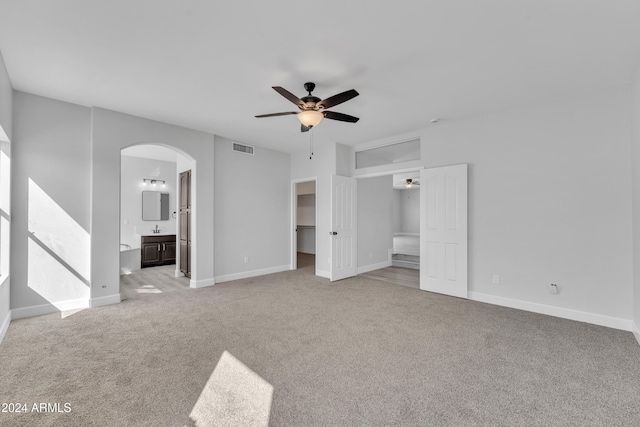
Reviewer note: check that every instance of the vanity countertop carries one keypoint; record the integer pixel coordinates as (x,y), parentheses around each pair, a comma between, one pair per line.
(162,233)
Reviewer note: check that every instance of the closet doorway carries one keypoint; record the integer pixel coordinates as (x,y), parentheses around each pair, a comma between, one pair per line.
(389,228)
(406,220)
(303,244)
(442,241)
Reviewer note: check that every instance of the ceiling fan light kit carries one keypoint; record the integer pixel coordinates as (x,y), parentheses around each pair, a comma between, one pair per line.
(410,182)
(310,118)
(313,109)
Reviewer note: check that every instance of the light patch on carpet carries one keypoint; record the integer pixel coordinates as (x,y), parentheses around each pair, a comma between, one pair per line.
(148,289)
(67,313)
(233,395)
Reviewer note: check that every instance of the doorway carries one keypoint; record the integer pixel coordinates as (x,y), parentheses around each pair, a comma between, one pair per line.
(303,243)
(149,205)
(442,237)
(389,228)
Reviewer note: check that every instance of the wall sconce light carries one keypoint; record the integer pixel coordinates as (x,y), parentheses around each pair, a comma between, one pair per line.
(153,182)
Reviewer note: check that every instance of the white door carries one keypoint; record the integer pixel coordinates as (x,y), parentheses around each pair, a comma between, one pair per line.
(443,230)
(342,231)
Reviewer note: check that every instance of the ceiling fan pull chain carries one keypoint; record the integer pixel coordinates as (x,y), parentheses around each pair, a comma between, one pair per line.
(310,143)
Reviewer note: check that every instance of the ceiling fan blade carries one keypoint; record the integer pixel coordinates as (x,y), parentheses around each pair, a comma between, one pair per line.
(337,99)
(304,128)
(339,116)
(277,114)
(291,97)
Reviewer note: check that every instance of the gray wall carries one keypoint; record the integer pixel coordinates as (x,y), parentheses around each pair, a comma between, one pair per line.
(133,170)
(306,209)
(67,159)
(549,201)
(252,211)
(375,220)
(6,122)
(636,202)
(51,168)
(113,131)
(406,210)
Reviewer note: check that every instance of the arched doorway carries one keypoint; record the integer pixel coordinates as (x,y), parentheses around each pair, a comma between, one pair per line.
(150,231)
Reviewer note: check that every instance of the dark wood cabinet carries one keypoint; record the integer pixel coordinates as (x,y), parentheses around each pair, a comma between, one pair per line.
(158,250)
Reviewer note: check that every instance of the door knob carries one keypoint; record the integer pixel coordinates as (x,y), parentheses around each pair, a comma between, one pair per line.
(333,233)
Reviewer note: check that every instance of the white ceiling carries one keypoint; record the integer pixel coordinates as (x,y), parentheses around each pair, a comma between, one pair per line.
(210,65)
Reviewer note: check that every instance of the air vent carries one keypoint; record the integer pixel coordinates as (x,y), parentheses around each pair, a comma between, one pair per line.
(247,149)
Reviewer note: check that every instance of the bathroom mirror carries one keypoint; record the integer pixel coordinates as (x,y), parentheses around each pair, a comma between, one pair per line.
(155,206)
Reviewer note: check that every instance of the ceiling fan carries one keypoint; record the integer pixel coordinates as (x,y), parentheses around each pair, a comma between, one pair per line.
(313,109)
(411,182)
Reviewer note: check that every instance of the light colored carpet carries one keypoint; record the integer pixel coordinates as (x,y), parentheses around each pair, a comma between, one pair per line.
(294,349)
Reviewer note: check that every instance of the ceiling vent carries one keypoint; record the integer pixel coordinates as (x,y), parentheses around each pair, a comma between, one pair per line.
(247,149)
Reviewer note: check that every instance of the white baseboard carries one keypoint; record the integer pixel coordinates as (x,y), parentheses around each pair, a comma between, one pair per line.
(636,331)
(5,325)
(204,283)
(108,300)
(39,310)
(565,313)
(322,273)
(252,273)
(371,267)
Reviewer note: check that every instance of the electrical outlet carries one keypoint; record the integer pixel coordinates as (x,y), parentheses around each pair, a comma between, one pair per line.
(370,254)
(553,288)
(246,259)
(496,279)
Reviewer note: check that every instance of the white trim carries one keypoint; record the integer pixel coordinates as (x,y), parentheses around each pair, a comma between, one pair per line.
(39,310)
(5,326)
(102,301)
(391,169)
(204,283)
(565,313)
(371,267)
(636,331)
(322,273)
(252,273)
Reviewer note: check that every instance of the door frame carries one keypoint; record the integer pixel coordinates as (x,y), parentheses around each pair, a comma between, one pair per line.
(293,265)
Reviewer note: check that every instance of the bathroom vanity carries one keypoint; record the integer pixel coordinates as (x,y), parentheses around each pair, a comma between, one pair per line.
(158,250)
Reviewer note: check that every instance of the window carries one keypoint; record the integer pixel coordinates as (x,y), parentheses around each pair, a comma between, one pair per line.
(5,199)
(388,154)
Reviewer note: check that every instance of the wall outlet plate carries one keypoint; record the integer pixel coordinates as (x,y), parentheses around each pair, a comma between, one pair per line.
(553,288)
